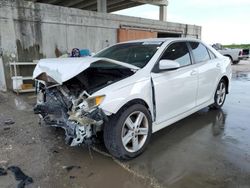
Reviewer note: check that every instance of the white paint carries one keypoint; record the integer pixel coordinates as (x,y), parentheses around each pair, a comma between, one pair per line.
(2,77)
(175,92)
(178,93)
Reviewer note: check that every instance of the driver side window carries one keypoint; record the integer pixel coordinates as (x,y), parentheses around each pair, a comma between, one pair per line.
(178,52)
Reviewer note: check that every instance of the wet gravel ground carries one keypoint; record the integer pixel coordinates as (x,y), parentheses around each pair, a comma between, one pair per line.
(210,148)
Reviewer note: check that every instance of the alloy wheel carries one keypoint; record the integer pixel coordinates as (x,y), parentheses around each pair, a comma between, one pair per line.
(221,93)
(135,131)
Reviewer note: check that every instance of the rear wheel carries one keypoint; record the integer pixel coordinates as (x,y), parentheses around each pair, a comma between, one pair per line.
(236,62)
(128,132)
(220,95)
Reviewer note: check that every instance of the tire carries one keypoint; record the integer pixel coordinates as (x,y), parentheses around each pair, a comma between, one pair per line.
(236,62)
(220,95)
(123,137)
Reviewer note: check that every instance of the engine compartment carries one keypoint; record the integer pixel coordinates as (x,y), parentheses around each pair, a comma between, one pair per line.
(95,78)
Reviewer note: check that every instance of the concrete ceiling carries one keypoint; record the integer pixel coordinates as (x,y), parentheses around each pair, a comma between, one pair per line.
(112,5)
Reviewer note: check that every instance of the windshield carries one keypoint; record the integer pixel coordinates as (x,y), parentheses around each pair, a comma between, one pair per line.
(137,54)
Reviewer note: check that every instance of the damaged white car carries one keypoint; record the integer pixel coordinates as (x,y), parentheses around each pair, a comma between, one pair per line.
(130,90)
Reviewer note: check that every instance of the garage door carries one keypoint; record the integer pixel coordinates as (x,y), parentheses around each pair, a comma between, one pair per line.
(130,34)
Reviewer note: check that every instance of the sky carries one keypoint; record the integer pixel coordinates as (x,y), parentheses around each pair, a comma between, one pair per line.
(222,21)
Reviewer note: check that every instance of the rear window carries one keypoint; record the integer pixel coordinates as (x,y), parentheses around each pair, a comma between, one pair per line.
(200,52)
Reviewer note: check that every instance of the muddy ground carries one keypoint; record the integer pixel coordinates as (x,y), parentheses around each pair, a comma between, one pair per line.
(207,149)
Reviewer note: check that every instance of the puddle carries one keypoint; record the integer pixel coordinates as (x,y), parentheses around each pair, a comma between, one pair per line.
(241,75)
(3,97)
(174,152)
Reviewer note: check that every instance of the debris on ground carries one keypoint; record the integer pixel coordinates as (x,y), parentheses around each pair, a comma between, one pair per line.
(72,177)
(3,172)
(6,128)
(90,174)
(9,122)
(20,176)
(69,168)
(9,147)
(3,162)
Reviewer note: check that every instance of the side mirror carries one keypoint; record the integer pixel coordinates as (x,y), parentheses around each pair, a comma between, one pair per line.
(168,65)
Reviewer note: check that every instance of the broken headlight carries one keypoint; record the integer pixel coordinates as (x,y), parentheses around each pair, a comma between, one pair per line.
(95,101)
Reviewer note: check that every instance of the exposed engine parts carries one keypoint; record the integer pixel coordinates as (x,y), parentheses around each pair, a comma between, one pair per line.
(59,107)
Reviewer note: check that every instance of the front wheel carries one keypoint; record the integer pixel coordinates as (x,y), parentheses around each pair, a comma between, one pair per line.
(128,132)
(220,95)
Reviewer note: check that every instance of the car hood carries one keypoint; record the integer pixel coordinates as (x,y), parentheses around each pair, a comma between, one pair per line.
(63,69)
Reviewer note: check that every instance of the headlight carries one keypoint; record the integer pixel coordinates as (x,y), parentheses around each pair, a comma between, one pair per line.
(95,101)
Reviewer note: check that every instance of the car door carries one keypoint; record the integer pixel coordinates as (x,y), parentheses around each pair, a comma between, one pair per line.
(208,71)
(175,90)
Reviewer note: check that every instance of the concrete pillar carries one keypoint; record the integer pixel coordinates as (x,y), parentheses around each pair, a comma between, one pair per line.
(163,13)
(3,86)
(102,6)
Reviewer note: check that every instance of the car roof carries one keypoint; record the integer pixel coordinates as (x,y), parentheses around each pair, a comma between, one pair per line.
(163,40)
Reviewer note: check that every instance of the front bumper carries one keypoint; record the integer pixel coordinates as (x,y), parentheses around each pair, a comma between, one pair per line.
(75,133)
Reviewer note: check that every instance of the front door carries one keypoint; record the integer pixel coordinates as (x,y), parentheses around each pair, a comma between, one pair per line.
(175,90)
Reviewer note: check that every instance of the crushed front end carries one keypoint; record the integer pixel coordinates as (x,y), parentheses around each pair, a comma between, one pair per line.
(66,94)
(77,113)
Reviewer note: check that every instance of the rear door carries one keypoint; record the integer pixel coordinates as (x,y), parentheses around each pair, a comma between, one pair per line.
(208,71)
(175,90)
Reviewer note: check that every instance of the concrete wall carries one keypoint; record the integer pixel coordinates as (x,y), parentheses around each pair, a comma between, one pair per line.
(30,31)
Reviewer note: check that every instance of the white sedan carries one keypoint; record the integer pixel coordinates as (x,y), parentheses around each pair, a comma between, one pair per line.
(130,90)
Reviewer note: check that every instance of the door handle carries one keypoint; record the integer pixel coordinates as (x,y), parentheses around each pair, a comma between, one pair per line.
(193,72)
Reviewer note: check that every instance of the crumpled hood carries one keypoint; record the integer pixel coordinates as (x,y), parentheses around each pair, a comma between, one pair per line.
(63,69)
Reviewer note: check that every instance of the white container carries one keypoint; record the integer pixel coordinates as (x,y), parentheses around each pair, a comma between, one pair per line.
(17,82)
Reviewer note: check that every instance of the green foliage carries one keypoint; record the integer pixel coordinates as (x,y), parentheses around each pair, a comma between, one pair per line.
(241,46)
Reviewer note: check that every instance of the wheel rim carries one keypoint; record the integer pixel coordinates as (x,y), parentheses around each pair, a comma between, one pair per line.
(135,131)
(220,93)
